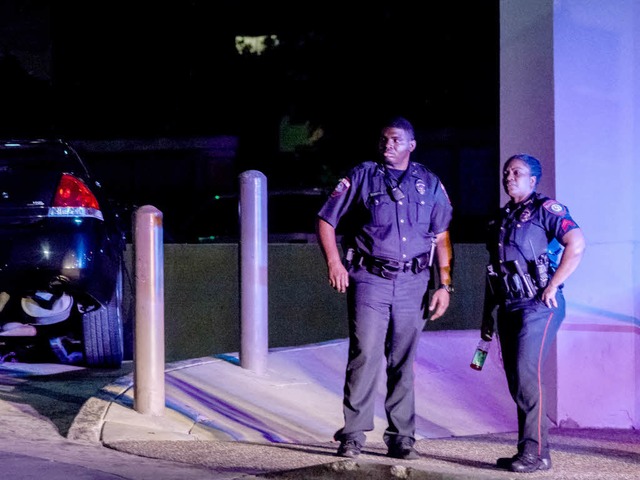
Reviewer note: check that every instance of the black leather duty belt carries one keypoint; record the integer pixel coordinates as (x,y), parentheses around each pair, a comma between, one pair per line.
(390,269)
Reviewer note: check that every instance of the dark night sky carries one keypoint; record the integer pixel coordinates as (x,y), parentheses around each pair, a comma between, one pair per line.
(118,69)
(172,67)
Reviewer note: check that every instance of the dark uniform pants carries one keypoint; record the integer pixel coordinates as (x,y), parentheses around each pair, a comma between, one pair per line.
(526,335)
(386,318)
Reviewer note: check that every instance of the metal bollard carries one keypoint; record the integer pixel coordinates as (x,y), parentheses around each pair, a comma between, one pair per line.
(149,354)
(253,272)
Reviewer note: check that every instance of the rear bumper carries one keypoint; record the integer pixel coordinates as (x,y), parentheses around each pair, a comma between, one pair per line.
(79,254)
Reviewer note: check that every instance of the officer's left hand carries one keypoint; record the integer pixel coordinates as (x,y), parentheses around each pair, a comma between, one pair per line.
(548,296)
(439,303)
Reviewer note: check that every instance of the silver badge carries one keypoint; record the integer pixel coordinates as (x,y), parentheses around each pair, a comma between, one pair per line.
(421,187)
(525,216)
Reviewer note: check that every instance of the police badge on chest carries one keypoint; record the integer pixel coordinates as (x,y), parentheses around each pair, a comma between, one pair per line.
(525,215)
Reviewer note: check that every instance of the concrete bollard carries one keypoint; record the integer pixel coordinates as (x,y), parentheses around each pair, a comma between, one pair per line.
(254,318)
(148,353)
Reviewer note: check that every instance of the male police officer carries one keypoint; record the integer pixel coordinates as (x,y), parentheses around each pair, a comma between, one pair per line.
(399,215)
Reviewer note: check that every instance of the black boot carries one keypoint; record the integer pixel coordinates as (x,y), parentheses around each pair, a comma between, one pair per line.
(527,463)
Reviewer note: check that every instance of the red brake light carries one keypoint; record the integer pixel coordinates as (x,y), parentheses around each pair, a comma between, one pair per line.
(72,192)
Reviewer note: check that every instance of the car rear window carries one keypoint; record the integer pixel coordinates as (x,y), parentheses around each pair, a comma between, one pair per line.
(39,158)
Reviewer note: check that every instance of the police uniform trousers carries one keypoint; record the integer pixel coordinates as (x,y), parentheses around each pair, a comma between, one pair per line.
(386,318)
(527,331)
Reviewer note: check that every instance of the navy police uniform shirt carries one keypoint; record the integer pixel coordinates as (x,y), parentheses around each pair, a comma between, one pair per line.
(380,226)
(525,231)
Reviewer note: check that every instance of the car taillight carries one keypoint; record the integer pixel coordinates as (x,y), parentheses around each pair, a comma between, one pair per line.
(74,199)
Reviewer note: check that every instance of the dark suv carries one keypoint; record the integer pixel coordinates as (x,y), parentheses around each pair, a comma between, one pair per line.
(61,258)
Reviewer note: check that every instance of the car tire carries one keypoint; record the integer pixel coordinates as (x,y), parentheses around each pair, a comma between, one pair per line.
(102,331)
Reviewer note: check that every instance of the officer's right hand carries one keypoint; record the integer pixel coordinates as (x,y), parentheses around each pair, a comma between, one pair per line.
(338,276)
(486,329)
(486,333)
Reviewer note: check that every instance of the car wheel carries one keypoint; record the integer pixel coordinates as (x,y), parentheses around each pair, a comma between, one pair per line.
(103,332)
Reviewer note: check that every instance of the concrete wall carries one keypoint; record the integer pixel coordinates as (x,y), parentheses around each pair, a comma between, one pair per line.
(202,305)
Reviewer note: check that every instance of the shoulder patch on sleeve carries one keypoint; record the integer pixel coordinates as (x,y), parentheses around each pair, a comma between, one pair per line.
(554,207)
(342,186)
(567,224)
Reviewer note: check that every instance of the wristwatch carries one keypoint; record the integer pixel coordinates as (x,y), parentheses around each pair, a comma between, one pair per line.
(448,288)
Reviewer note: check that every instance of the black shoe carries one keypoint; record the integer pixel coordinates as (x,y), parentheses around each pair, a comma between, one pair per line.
(527,463)
(403,451)
(349,449)
(505,462)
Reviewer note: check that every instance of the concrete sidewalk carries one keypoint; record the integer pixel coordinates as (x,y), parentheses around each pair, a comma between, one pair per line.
(281,424)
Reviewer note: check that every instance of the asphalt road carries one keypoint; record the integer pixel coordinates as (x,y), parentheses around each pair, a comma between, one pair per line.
(56,392)
(37,406)
(41,403)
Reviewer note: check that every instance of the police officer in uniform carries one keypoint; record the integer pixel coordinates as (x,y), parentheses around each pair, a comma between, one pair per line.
(398,220)
(524,282)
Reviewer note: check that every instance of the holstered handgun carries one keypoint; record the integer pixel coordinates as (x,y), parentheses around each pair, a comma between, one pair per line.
(525,279)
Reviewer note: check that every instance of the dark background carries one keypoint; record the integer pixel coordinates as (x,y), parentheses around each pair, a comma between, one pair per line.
(115,77)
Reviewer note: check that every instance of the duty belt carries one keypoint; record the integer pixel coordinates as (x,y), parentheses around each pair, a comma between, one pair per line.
(390,269)
(512,283)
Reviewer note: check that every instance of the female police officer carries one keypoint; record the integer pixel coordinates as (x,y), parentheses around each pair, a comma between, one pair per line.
(525,283)
(399,217)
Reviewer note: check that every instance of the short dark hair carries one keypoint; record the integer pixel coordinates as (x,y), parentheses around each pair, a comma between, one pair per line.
(402,123)
(532,162)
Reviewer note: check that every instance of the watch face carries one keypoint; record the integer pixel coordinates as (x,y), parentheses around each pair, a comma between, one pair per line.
(448,288)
